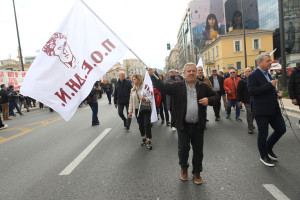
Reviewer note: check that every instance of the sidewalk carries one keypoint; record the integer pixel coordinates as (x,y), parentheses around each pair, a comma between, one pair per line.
(291,107)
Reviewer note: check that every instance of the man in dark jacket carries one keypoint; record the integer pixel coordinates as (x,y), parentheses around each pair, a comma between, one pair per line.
(92,100)
(108,90)
(13,97)
(4,102)
(294,87)
(266,110)
(243,97)
(190,98)
(217,81)
(121,96)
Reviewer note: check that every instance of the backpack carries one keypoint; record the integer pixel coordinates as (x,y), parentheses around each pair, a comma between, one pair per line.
(157,96)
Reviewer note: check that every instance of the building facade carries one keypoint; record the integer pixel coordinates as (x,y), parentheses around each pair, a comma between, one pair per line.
(227,52)
(133,66)
(172,61)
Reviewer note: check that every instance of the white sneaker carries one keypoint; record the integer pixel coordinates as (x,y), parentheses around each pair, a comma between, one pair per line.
(298,125)
(174,129)
(4,127)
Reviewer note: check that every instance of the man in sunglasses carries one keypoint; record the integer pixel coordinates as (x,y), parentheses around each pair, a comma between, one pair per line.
(230,86)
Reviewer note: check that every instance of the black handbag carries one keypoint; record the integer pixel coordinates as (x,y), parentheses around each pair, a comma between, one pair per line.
(142,107)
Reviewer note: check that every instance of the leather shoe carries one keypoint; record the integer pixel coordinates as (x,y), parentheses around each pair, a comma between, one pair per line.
(183,174)
(197,179)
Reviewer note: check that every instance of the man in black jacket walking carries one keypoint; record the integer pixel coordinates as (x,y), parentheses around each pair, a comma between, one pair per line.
(92,100)
(244,97)
(294,87)
(121,96)
(4,102)
(217,81)
(190,98)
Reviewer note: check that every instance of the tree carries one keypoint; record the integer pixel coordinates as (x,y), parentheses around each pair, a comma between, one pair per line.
(113,80)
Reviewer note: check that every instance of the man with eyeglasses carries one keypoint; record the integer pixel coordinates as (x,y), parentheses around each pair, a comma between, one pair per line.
(217,81)
(230,86)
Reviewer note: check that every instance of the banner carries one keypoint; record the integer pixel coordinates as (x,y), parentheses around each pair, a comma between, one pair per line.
(14,78)
(148,90)
(78,54)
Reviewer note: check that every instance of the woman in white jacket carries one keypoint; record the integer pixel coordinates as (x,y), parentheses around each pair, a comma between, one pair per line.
(144,116)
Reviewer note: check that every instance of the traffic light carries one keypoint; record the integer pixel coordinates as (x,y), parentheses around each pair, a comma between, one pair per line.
(168,46)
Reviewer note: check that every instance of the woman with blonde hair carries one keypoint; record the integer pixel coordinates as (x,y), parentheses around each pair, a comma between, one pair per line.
(144,116)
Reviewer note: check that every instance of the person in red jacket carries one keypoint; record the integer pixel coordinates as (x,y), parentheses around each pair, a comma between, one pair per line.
(230,86)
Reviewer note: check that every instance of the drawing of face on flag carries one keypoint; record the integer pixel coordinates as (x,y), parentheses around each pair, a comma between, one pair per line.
(57,45)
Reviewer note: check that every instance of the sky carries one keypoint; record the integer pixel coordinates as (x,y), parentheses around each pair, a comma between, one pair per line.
(145,26)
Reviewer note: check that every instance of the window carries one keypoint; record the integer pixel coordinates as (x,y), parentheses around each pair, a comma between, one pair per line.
(239,65)
(218,67)
(217,51)
(213,54)
(256,43)
(237,45)
(208,58)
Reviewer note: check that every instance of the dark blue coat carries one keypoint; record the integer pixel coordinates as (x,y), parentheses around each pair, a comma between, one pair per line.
(263,95)
(122,92)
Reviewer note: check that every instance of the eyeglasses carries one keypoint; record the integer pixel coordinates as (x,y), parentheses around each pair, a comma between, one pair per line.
(214,70)
(232,72)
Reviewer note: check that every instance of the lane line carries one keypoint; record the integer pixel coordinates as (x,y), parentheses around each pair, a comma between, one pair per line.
(275,192)
(24,128)
(68,170)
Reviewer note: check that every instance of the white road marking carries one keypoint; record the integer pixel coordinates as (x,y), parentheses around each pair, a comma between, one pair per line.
(275,192)
(68,170)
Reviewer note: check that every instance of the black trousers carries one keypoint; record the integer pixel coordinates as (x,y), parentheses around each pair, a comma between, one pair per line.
(191,134)
(121,109)
(217,105)
(144,121)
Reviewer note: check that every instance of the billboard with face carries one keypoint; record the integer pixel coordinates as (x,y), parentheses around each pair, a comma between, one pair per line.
(233,14)
(207,21)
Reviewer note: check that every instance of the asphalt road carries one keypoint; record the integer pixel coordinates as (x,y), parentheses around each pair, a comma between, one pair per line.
(44,157)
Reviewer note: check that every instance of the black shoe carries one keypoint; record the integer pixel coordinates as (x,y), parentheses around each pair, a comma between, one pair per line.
(267,161)
(28,110)
(168,124)
(272,155)
(218,119)
(162,121)
(125,123)
(21,114)
(207,120)
(149,145)
(127,128)
(143,142)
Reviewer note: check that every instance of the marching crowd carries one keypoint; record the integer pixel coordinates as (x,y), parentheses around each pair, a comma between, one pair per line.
(181,102)
(182,105)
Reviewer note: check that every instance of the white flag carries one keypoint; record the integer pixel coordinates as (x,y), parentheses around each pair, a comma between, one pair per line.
(148,90)
(200,64)
(273,52)
(81,51)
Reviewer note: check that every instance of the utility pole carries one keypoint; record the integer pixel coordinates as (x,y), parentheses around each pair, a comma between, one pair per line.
(282,45)
(21,58)
(244,34)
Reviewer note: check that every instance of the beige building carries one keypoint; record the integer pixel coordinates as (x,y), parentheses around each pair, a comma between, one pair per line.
(227,51)
(172,61)
(114,72)
(133,66)
(12,65)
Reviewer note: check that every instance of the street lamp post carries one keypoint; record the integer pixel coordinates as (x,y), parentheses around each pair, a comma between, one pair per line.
(21,58)
(244,34)
(282,44)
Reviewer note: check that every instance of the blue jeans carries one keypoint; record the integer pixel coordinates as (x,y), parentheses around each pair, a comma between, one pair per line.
(230,103)
(108,96)
(94,107)
(13,104)
(264,143)
(190,135)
